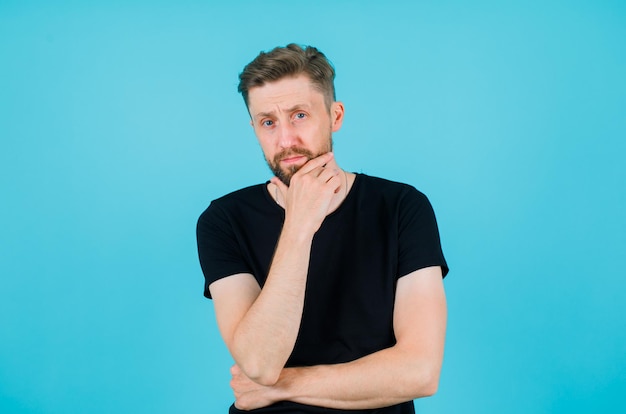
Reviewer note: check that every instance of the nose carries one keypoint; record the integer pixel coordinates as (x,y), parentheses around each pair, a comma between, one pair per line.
(287,135)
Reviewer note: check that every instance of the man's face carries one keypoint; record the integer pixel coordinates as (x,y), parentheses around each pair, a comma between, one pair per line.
(292,123)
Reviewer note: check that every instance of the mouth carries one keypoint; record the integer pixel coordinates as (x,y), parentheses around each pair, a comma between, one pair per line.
(293,159)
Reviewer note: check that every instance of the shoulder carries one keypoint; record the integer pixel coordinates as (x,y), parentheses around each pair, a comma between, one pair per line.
(388,189)
(233,206)
(399,199)
(245,195)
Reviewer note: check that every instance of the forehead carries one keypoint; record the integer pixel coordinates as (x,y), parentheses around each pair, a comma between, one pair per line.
(282,94)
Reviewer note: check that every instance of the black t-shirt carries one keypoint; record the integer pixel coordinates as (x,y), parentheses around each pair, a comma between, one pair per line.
(382,231)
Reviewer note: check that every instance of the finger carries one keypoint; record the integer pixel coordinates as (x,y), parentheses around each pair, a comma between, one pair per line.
(336,181)
(327,174)
(316,163)
(281,186)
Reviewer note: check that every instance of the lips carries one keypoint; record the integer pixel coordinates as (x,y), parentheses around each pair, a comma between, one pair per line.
(293,159)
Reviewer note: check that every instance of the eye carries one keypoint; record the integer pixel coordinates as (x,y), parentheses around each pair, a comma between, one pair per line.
(267,123)
(300,115)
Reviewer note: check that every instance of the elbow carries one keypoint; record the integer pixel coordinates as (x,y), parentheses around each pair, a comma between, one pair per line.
(429,387)
(423,383)
(257,366)
(260,374)
(266,378)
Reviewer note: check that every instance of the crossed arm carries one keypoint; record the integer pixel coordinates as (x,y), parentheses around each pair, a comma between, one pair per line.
(408,370)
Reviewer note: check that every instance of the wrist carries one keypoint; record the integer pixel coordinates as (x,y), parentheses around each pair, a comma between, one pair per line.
(286,387)
(297,232)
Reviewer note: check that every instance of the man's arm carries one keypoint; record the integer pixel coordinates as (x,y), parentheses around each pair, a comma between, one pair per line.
(260,326)
(408,370)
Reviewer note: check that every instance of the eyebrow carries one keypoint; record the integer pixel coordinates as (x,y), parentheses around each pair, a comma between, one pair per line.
(292,109)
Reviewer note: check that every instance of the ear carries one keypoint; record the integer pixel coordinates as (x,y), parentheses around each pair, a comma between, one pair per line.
(336,113)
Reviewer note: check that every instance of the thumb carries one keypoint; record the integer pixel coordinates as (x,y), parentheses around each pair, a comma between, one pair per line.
(281,186)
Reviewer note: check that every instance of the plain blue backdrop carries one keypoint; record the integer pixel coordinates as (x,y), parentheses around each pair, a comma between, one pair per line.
(120,122)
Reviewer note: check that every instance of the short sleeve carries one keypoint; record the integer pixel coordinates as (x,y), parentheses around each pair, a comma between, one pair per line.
(218,249)
(419,244)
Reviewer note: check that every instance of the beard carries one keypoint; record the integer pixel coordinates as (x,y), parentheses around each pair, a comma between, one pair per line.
(285,174)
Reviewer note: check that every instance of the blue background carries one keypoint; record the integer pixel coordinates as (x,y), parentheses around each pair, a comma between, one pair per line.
(120,122)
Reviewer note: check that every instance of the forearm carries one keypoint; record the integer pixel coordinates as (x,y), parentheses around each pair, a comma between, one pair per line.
(260,326)
(266,335)
(385,378)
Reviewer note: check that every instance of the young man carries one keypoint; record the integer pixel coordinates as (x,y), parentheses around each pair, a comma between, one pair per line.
(327,285)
